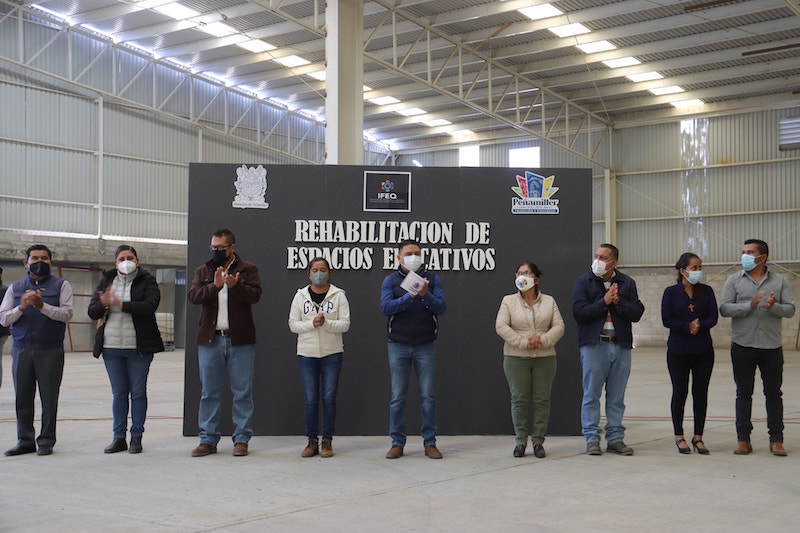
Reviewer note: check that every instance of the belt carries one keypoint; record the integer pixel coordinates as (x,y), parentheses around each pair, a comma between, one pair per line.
(606,338)
(223,332)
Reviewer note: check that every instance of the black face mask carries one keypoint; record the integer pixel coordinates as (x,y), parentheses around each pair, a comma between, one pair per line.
(39,269)
(219,257)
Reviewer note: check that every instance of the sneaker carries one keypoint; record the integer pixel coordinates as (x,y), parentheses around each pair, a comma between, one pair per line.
(620,448)
(538,451)
(311,449)
(593,448)
(519,450)
(326,449)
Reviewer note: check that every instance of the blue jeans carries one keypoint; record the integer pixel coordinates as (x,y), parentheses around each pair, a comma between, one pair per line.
(127,372)
(316,373)
(238,362)
(401,358)
(605,363)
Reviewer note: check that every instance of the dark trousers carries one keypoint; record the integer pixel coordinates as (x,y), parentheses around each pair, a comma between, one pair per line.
(680,367)
(770,363)
(30,368)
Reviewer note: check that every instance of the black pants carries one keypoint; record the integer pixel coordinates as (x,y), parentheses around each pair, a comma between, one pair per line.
(680,367)
(770,363)
(29,368)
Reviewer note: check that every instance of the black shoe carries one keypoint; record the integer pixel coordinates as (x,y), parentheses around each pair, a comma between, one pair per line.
(702,450)
(44,450)
(117,445)
(519,450)
(136,445)
(682,449)
(20,449)
(538,451)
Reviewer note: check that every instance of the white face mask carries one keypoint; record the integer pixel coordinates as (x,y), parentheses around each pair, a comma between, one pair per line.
(127,267)
(412,262)
(524,283)
(599,268)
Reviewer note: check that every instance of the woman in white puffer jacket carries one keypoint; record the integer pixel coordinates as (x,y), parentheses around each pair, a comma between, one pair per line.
(319,314)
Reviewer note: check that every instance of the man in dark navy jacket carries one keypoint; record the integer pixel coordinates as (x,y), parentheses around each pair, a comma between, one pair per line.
(605,304)
(37,309)
(412,327)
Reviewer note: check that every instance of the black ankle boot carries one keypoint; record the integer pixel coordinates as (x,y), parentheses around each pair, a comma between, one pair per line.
(136,445)
(117,445)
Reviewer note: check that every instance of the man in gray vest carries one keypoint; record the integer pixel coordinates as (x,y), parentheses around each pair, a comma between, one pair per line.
(37,309)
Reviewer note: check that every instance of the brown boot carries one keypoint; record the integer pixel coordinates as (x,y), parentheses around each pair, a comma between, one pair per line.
(743,448)
(327,448)
(311,449)
(777,449)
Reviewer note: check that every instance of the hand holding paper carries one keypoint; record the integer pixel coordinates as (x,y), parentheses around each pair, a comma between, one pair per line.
(414,284)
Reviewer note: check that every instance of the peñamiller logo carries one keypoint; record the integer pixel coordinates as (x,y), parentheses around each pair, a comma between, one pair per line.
(534,195)
(387,191)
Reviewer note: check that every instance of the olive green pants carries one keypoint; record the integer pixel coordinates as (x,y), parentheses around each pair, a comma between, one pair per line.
(530,379)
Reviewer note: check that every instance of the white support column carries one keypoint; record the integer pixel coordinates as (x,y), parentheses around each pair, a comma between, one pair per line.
(344,73)
(100,168)
(610,207)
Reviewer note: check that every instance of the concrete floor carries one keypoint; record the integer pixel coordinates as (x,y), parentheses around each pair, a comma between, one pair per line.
(478,486)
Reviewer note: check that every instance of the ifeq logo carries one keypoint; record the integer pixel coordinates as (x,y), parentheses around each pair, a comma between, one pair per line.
(534,195)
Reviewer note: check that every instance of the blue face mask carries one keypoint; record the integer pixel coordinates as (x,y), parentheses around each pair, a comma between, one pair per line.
(695,276)
(749,262)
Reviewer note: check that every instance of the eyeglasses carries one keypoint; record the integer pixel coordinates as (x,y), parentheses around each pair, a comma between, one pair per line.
(526,273)
(219,248)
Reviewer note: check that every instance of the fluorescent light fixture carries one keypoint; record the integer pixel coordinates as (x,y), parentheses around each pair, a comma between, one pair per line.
(292,61)
(217,29)
(568,30)
(621,62)
(320,75)
(437,122)
(384,100)
(672,89)
(100,32)
(52,13)
(366,88)
(645,76)
(687,103)
(595,47)
(256,46)
(416,163)
(540,12)
(410,112)
(464,134)
(176,11)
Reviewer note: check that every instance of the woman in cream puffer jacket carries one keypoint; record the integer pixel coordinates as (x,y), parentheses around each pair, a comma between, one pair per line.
(530,324)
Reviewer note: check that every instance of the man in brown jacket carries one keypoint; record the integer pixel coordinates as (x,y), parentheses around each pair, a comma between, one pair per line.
(227,287)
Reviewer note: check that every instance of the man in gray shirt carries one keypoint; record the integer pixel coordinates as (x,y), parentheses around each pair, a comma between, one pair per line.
(757,299)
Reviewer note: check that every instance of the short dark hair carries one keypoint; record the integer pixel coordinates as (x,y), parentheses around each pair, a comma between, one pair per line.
(532,267)
(230,238)
(763,248)
(125,248)
(317,260)
(408,242)
(614,250)
(33,247)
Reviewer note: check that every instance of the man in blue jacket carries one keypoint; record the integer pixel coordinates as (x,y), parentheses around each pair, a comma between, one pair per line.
(605,304)
(37,308)
(412,327)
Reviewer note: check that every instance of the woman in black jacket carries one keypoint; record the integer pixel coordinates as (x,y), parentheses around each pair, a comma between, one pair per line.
(127,298)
